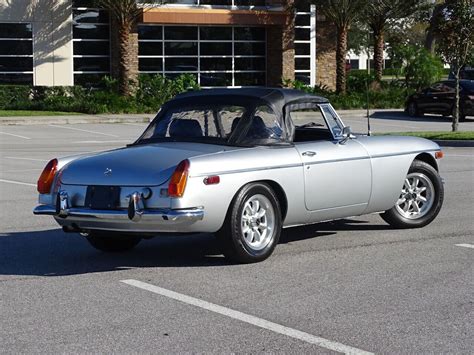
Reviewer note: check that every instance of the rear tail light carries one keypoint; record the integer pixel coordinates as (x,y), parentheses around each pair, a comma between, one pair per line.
(178,179)
(46,178)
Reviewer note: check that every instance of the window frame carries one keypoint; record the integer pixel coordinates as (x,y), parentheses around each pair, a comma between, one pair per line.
(26,39)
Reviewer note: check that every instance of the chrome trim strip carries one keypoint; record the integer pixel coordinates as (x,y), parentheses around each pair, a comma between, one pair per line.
(248,170)
(336,160)
(406,153)
(155,215)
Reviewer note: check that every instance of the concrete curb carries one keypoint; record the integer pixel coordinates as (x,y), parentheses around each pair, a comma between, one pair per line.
(37,120)
(453,143)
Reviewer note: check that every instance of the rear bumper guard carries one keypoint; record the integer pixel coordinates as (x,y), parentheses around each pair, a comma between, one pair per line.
(186,215)
(136,211)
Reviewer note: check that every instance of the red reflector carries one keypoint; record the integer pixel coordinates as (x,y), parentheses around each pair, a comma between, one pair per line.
(178,180)
(46,178)
(439,154)
(212,180)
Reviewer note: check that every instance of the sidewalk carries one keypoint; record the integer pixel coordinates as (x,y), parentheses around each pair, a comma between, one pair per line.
(76,119)
(133,118)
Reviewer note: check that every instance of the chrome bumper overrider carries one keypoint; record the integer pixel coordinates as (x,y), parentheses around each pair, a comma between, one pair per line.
(187,215)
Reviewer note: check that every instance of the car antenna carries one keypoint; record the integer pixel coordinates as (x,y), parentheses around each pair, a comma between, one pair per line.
(367,78)
(369,133)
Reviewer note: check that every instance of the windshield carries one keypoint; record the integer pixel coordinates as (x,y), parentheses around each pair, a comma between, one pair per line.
(206,124)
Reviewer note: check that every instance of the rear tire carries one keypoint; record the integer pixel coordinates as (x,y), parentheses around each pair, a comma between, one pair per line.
(252,226)
(112,242)
(412,109)
(420,199)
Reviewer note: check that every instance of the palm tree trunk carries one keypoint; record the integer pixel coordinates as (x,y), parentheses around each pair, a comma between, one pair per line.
(378,54)
(126,75)
(341,52)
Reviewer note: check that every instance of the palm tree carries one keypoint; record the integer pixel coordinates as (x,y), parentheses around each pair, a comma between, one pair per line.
(342,13)
(378,14)
(124,15)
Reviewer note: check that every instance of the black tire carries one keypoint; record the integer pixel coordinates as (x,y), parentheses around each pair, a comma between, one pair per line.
(237,245)
(412,109)
(397,218)
(110,242)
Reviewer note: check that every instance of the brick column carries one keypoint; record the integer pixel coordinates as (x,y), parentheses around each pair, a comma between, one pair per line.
(325,53)
(281,49)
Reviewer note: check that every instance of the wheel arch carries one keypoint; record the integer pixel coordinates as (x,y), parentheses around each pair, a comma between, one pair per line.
(428,159)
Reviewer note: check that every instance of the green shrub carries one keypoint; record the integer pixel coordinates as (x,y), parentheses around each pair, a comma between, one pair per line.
(419,67)
(14,96)
(153,91)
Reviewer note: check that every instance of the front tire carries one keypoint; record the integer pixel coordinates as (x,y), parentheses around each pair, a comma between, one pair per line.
(253,225)
(420,199)
(111,243)
(412,109)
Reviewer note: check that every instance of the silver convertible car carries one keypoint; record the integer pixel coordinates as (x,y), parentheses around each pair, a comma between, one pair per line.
(243,164)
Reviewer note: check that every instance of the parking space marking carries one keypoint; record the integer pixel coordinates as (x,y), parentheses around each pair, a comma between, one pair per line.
(102,142)
(17,182)
(465,245)
(14,135)
(243,317)
(84,130)
(20,158)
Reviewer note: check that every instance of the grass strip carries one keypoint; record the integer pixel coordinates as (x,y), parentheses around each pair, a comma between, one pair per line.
(441,135)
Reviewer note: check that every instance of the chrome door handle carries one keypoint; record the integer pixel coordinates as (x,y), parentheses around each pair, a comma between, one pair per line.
(309,154)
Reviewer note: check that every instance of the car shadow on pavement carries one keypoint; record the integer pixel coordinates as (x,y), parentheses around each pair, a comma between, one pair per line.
(54,253)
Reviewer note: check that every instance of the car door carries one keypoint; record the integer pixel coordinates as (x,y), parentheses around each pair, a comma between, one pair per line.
(337,174)
(429,100)
(447,97)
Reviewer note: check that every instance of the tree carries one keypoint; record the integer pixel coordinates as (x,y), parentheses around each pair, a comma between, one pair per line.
(342,13)
(455,40)
(378,14)
(124,15)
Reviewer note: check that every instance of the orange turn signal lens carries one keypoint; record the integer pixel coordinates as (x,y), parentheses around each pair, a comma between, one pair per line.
(178,180)
(46,178)
(439,154)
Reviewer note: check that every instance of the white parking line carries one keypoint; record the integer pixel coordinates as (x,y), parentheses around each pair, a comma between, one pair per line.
(14,135)
(20,158)
(243,317)
(102,142)
(17,182)
(465,245)
(84,130)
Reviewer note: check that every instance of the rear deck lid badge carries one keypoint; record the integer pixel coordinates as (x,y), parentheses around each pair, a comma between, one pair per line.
(108,172)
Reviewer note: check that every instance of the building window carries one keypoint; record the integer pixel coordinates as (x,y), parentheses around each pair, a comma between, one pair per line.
(305,42)
(16,53)
(91,43)
(217,55)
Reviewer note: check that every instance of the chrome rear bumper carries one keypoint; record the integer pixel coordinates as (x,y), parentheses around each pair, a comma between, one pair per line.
(147,215)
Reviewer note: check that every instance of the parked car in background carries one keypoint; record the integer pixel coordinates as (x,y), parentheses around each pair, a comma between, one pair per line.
(243,164)
(466,73)
(439,98)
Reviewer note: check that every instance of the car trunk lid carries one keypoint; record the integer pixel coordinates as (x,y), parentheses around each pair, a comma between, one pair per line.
(141,165)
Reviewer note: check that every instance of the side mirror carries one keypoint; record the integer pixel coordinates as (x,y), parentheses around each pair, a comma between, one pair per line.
(346,134)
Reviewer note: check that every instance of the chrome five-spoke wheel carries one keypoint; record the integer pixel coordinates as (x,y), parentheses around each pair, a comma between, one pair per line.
(417,196)
(258,222)
(420,199)
(253,224)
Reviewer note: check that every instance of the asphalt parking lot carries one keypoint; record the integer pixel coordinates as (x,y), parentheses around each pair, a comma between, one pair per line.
(352,285)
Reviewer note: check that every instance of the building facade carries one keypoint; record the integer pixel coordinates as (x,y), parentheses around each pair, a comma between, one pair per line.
(224,43)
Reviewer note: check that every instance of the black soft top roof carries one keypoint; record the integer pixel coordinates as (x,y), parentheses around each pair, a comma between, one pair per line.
(276,96)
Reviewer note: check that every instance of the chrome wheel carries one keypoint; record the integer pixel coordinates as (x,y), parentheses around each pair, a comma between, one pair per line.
(258,222)
(417,196)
